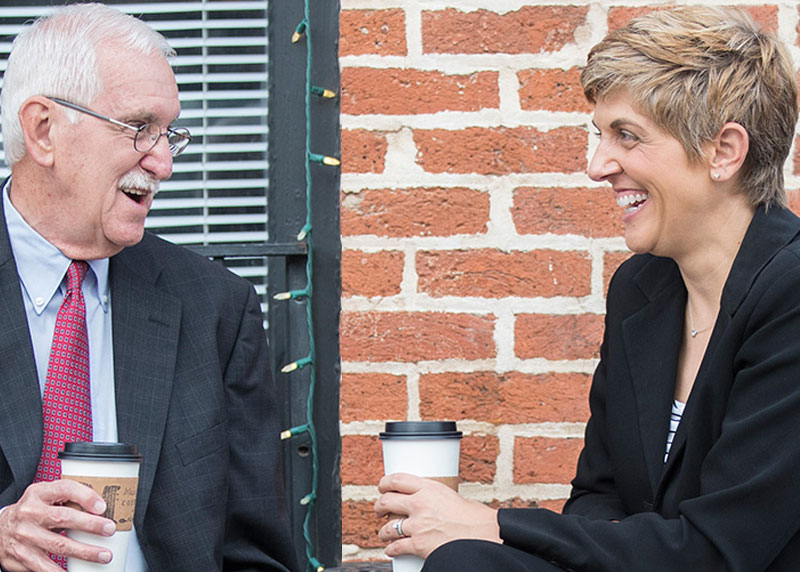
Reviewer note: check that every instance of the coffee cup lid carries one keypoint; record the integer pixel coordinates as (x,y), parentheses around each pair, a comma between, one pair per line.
(100,451)
(420,430)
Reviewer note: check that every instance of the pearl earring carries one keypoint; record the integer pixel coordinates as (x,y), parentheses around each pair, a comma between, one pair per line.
(716,176)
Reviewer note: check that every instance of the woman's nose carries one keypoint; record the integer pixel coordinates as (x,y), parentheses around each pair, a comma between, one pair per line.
(603,164)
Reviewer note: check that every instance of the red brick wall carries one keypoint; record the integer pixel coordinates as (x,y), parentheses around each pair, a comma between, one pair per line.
(476,252)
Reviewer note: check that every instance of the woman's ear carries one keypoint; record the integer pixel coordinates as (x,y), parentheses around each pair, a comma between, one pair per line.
(728,151)
(36,120)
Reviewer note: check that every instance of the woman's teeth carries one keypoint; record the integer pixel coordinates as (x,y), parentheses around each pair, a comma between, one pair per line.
(630,202)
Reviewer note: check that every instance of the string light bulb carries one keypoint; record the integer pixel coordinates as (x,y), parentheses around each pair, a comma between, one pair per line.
(291,295)
(289,433)
(295,365)
(324,159)
(299,31)
(304,232)
(323,92)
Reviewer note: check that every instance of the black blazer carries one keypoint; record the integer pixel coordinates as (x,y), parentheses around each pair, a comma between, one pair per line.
(728,498)
(193,391)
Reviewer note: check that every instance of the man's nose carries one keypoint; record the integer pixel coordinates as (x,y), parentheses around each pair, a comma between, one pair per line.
(158,160)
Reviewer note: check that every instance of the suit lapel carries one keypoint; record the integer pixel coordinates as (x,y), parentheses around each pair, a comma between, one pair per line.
(652,342)
(146,321)
(767,234)
(21,404)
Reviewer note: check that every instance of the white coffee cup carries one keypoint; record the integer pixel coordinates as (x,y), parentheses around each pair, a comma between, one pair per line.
(112,470)
(425,448)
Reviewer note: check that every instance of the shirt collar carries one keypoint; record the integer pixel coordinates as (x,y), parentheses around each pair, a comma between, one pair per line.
(41,266)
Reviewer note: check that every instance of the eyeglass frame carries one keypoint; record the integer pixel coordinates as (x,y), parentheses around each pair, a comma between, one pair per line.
(173,149)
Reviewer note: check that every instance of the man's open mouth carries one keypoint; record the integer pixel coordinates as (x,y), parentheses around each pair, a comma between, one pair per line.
(136,195)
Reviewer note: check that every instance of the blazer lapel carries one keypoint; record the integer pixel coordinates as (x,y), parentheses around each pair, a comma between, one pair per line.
(652,342)
(146,321)
(769,231)
(21,403)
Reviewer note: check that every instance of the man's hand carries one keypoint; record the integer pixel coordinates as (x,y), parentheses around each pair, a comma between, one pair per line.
(435,514)
(30,529)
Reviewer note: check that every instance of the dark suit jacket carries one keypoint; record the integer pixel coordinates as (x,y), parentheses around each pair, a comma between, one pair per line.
(728,498)
(193,391)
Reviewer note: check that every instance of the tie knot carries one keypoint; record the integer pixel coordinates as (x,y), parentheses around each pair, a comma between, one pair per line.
(75,274)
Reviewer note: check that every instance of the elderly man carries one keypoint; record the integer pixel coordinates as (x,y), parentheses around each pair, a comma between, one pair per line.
(177,359)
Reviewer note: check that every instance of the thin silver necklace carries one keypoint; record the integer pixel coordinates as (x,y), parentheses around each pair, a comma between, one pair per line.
(692,331)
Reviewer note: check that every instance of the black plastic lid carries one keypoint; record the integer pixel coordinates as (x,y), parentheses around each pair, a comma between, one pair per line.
(420,430)
(100,451)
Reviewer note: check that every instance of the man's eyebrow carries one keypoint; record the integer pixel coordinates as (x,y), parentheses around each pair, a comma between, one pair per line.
(145,117)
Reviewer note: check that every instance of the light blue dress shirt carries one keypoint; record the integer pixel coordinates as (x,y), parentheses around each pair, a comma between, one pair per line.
(42,268)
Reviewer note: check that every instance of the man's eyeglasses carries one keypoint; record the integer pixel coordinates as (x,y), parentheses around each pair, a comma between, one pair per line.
(147,135)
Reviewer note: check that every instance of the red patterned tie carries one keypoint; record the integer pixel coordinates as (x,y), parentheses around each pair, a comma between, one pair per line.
(67,405)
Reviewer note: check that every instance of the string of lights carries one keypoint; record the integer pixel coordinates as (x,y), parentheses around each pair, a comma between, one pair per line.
(303,31)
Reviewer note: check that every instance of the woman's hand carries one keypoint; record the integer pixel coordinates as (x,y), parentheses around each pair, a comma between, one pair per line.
(435,514)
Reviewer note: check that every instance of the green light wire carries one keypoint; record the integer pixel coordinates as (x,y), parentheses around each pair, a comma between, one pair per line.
(310,499)
(306,234)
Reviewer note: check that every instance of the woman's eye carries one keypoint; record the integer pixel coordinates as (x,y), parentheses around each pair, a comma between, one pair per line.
(627,136)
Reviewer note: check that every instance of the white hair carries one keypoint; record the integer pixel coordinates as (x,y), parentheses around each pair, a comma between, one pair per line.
(56,57)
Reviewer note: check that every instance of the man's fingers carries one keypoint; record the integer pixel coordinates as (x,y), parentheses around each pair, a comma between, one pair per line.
(66,518)
(63,545)
(29,529)
(65,490)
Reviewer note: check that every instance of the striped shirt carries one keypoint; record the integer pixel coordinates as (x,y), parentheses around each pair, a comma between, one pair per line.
(674,421)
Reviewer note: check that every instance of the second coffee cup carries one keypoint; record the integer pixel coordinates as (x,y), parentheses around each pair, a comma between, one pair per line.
(424,448)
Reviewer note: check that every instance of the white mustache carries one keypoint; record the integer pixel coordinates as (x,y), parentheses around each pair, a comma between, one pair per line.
(139,180)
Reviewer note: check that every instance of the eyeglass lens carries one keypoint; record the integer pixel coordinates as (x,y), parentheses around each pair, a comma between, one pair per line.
(149,134)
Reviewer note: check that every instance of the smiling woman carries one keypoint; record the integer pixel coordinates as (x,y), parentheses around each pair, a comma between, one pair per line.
(682,466)
(673,205)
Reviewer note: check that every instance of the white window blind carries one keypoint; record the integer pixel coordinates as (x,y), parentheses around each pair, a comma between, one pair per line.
(217,193)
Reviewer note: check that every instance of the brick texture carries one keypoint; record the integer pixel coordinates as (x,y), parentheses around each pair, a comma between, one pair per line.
(371,274)
(403,91)
(415,336)
(369,396)
(415,212)
(509,398)
(532,29)
(545,460)
(552,90)
(362,460)
(363,151)
(476,251)
(558,337)
(380,32)
(360,524)
(495,274)
(478,461)
(502,151)
(585,212)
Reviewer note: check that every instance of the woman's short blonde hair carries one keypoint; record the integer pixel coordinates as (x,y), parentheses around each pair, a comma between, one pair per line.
(693,69)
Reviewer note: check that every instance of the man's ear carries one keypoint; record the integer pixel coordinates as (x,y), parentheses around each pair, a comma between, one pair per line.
(36,119)
(728,151)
